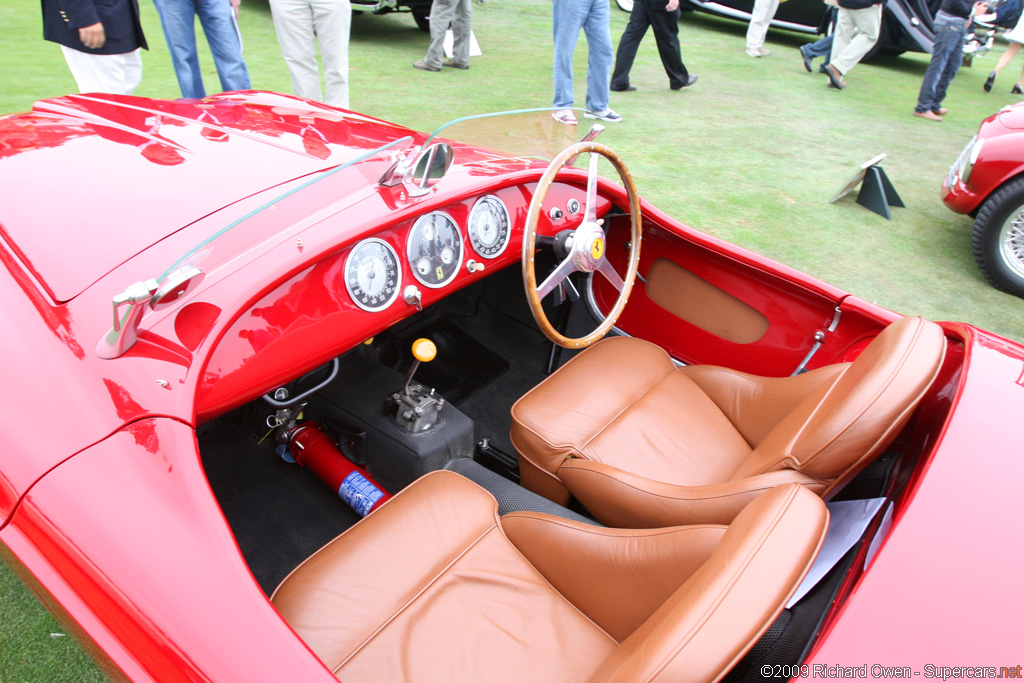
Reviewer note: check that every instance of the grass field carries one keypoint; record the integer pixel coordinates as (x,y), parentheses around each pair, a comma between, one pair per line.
(750,154)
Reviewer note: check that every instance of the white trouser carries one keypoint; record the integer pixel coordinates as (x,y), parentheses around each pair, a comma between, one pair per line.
(114,74)
(760,20)
(856,33)
(299,24)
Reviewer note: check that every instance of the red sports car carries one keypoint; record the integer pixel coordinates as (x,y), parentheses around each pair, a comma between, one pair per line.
(296,394)
(987,182)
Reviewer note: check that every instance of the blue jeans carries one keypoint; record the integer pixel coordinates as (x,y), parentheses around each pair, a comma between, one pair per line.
(178,18)
(592,17)
(947,54)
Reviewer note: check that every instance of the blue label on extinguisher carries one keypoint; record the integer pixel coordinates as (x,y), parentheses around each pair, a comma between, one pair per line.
(359,493)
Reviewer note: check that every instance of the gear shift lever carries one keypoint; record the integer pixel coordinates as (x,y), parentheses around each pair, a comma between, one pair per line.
(417,408)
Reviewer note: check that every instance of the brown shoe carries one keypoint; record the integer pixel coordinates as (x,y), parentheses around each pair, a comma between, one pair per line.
(928,114)
(420,64)
(835,78)
(941,111)
(455,65)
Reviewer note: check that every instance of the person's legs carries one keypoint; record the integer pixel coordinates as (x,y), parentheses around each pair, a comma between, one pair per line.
(462,29)
(114,74)
(333,20)
(599,54)
(841,37)
(566,28)
(819,48)
(760,20)
(293,23)
(441,13)
(221,28)
(867,22)
(947,50)
(1005,58)
(628,44)
(666,33)
(178,19)
(953,45)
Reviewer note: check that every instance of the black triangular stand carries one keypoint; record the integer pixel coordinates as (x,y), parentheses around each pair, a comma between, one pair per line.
(877,193)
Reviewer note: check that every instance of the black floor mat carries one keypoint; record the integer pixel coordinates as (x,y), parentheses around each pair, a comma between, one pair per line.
(463,365)
(279,512)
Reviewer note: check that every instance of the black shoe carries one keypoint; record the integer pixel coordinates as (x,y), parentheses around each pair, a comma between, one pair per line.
(628,88)
(808,61)
(689,81)
(1016,90)
(990,81)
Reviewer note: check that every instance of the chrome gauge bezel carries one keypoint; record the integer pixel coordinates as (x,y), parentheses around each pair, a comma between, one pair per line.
(416,237)
(351,276)
(473,228)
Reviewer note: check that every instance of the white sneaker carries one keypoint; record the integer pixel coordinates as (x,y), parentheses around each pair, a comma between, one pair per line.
(754,52)
(606,115)
(565,116)
(764,52)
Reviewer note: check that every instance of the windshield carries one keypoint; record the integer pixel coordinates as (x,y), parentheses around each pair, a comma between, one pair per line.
(524,133)
(530,133)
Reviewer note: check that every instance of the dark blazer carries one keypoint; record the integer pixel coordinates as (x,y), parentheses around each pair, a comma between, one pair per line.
(120,19)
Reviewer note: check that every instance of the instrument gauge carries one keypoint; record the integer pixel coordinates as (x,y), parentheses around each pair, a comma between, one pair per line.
(435,249)
(489,226)
(373,275)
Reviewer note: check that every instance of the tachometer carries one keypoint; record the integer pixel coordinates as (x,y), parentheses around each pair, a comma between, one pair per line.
(489,226)
(435,249)
(372,274)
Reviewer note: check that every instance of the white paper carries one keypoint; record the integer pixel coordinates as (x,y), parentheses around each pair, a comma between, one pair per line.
(847,521)
(449,42)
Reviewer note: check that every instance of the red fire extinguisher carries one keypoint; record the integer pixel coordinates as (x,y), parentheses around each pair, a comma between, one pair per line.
(313,450)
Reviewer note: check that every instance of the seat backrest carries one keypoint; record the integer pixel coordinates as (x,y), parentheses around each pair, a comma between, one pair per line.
(840,427)
(718,614)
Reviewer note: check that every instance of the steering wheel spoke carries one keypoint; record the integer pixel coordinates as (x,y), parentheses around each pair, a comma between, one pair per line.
(564,270)
(606,269)
(588,250)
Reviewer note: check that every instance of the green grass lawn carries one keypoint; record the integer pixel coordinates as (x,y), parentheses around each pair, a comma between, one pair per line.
(750,154)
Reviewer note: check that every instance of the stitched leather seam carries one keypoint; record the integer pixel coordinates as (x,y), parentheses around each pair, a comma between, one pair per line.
(748,489)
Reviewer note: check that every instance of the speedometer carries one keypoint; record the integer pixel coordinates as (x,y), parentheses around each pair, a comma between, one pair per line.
(372,274)
(435,249)
(489,226)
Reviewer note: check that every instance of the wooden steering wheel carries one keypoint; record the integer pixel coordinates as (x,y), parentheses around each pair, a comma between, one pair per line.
(588,250)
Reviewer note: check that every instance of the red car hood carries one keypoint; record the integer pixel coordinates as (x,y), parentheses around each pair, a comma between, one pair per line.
(1012,116)
(173,163)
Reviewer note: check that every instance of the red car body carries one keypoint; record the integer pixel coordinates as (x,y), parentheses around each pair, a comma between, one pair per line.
(105,508)
(987,182)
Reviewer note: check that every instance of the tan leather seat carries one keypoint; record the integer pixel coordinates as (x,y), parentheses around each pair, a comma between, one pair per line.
(643,443)
(434,586)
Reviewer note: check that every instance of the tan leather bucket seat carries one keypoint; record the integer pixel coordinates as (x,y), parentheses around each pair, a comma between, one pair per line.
(643,443)
(434,586)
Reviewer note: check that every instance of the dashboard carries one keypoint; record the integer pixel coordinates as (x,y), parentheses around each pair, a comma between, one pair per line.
(383,277)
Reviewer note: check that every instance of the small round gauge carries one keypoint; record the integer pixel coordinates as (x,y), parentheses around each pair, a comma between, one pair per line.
(489,224)
(434,249)
(372,274)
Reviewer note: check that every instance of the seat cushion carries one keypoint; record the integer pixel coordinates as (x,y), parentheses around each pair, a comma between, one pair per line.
(428,588)
(622,402)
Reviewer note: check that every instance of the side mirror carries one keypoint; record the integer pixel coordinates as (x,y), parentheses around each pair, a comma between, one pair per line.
(423,171)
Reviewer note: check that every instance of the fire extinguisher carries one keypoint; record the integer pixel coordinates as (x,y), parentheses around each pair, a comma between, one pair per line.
(313,450)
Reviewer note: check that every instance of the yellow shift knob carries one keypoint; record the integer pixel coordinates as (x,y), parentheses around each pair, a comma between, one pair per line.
(424,350)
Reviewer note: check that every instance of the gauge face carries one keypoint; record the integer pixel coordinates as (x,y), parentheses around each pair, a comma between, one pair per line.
(435,249)
(489,226)
(372,274)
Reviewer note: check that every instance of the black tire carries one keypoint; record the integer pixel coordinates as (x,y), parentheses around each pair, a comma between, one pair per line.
(422,19)
(625,5)
(998,238)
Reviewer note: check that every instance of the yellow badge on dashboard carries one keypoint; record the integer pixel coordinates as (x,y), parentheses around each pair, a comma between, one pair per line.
(597,249)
